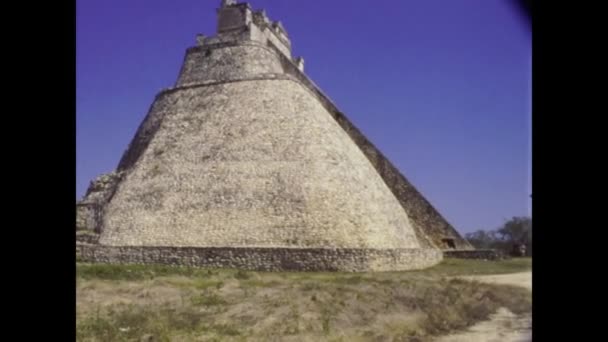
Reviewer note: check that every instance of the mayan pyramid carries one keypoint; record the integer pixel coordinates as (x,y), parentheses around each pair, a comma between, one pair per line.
(246,163)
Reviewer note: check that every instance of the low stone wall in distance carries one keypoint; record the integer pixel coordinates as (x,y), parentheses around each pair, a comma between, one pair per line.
(266,259)
(482,254)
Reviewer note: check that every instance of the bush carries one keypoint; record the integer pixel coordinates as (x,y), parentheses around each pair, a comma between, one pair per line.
(514,232)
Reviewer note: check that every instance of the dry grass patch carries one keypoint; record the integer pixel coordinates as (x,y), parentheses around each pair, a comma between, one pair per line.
(182,304)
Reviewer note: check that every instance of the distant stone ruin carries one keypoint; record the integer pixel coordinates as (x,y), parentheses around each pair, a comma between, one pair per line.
(246,163)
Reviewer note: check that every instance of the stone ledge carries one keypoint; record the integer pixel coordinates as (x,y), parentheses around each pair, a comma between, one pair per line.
(208,83)
(265,259)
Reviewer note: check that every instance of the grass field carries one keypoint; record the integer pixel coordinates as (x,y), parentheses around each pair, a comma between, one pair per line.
(160,303)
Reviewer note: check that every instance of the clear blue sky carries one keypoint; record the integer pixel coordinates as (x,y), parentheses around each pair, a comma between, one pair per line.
(442,87)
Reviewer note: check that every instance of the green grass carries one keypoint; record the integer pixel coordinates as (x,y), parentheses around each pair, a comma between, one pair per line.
(141,272)
(448,267)
(208,299)
(181,303)
(454,267)
(131,322)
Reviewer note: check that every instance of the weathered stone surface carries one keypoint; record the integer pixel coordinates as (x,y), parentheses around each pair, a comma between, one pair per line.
(267,259)
(87,237)
(86,217)
(271,169)
(432,230)
(211,63)
(100,192)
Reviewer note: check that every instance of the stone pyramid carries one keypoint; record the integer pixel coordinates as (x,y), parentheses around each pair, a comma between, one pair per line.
(246,163)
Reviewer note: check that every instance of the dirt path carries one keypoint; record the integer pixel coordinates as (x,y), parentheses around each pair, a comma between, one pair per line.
(523,279)
(503,326)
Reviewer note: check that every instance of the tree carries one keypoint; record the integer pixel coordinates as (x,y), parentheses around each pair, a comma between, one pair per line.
(514,232)
(517,230)
(481,239)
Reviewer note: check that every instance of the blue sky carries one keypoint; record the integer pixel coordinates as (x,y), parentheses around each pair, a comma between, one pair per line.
(443,88)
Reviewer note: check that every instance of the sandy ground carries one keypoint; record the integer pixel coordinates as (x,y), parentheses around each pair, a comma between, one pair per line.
(503,326)
(523,279)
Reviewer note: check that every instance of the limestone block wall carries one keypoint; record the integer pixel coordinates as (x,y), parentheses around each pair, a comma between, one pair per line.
(87,216)
(89,211)
(427,220)
(267,259)
(86,237)
(240,19)
(146,130)
(233,17)
(221,62)
(279,42)
(260,62)
(271,169)
(431,228)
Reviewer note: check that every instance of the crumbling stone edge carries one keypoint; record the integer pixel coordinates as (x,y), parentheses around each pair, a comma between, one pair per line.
(265,259)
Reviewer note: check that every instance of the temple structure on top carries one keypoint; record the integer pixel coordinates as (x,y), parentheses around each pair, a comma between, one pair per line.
(239,22)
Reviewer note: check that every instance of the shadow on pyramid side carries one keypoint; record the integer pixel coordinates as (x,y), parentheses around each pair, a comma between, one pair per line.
(246,163)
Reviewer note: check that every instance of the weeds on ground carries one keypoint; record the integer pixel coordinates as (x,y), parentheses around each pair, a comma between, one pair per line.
(325,306)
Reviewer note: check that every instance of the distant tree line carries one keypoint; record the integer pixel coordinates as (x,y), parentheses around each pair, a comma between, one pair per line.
(514,237)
